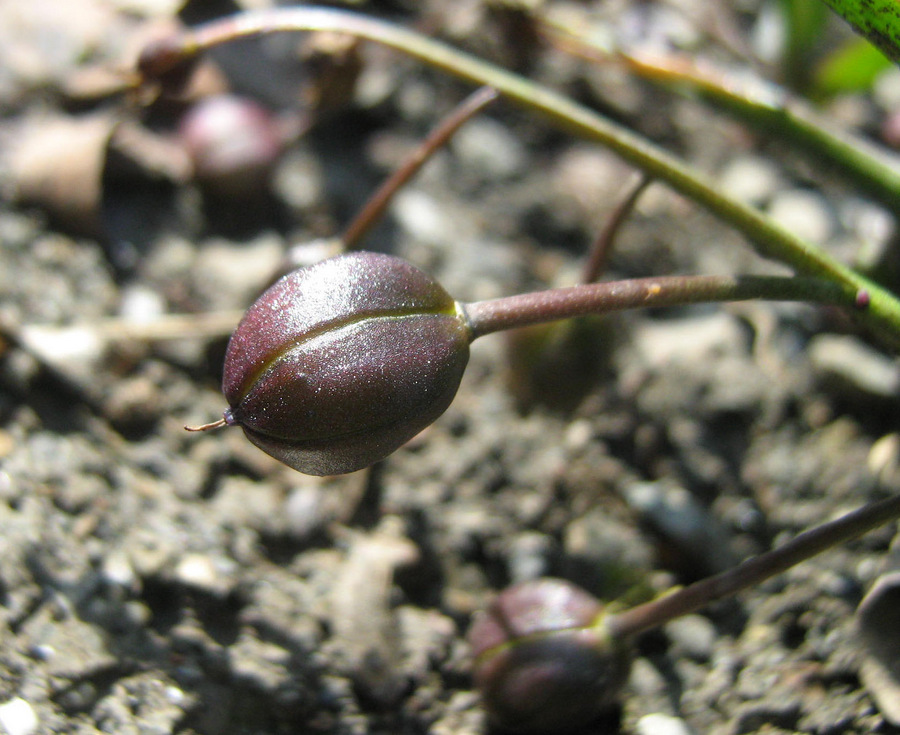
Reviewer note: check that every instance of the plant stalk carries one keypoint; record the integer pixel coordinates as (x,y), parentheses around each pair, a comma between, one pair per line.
(771,240)
(379,202)
(765,106)
(753,571)
(522,310)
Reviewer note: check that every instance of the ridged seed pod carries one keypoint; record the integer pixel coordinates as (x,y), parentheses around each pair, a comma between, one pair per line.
(339,364)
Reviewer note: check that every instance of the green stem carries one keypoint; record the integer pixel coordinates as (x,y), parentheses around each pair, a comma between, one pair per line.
(877,20)
(761,104)
(770,239)
(522,310)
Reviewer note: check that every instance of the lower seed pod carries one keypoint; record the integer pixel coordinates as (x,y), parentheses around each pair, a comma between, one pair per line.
(233,144)
(338,364)
(543,661)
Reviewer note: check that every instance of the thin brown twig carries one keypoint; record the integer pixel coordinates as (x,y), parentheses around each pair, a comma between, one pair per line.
(373,210)
(599,254)
(755,570)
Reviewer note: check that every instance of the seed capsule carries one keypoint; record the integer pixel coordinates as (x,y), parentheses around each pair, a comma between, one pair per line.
(339,364)
(233,143)
(544,662)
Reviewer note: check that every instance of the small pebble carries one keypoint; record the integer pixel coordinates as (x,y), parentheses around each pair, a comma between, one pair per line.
(488,148)
(884,457)
(674,513)
(196,570)
(805,213)
(305,511)
(853,368)
(695,635)
(202,572)
(63,346)
(175,695)
(141,304)
(578,435)
(878,622)
(646,681)
(422,217)
(227,274)
(698,339)
(118,571)
(886,90)
(17,717)
(750,179)
(660,724)
(529,556)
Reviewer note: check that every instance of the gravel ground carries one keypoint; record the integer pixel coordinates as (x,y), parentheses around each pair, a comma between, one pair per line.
(155,581)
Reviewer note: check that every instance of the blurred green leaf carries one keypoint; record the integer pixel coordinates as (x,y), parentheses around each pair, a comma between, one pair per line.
(804,23)
(853,67)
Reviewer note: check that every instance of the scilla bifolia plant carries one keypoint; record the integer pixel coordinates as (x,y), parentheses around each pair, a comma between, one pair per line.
(549,657)
(340,363)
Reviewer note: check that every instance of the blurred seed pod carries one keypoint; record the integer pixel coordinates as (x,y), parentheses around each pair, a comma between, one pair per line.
(233,144)
(333,63)
(557,365)
(878,621)
(517,28)
(544,662)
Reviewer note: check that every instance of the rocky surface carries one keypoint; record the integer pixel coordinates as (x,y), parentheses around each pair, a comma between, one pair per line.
(154,581)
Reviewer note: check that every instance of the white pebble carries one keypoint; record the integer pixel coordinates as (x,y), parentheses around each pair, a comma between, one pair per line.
(854,366)
(490,149)
(305,510)
(63,345)
(17,717)
(214,576)
(750,179)
(487,147)
(422,217)
(196,570)
(578,434)
(659,724)
(117,570)
(175,695)
(141,304)
(805,213)
(886,90)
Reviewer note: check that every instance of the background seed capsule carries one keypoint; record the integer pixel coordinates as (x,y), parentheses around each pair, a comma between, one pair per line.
(543,661)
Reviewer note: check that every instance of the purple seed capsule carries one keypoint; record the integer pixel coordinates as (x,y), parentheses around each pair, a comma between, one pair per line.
(233,142)
(544,661)
(338,364)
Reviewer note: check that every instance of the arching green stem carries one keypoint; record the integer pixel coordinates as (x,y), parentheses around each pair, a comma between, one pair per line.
(883,309)
(760,104)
